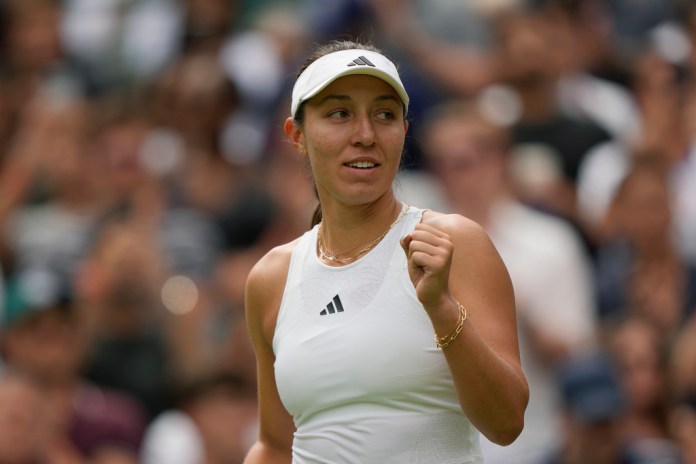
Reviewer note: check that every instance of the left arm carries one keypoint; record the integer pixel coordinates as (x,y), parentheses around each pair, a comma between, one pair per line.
(452,257)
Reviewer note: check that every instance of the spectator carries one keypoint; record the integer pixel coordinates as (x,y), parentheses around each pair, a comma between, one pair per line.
(118,292)
(33,56)
(640,353)
(117,44)
(214,424)
(634,21)
(579,30)
(640,270)
(469,155)
(667,102)
(122,138)
(52,197)
(140,171)
(207,23)
(193,106)
(79,420)
(547,140)
(593,404)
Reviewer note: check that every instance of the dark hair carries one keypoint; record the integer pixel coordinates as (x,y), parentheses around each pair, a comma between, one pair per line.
(318,52)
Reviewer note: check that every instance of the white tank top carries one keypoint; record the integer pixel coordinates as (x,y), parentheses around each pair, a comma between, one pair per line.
(357,366)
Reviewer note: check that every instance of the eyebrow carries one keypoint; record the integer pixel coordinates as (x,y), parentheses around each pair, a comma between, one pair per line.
(380,98)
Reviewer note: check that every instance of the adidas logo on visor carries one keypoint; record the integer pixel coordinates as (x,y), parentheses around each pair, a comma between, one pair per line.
(361,61)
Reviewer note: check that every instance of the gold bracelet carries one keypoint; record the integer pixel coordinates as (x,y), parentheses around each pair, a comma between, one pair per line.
(443,342)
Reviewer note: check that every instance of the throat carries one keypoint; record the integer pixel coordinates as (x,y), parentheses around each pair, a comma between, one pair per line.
(350,255)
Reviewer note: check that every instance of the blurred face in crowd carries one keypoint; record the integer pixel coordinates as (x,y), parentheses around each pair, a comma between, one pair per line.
(209,16)
(467,156)
(635,345)
(195,96)
(124,271)
(643,208)
(226,421)
(33,40)
(46,345)
(72,174)
(525,46)
(120,145)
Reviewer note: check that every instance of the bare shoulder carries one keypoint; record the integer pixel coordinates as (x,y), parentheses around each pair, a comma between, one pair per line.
(272,267)
(265,285)
(461,229)
(473,248)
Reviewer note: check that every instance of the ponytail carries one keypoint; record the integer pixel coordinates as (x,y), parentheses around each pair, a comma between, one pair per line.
(316,217)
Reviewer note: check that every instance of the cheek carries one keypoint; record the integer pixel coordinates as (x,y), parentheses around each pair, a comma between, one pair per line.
(317,159)
(396,139)
(322,145)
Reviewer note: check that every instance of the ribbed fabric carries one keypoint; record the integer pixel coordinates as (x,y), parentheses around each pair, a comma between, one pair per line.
(357,366)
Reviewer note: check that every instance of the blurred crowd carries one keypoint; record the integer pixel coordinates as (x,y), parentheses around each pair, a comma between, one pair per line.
(143,171)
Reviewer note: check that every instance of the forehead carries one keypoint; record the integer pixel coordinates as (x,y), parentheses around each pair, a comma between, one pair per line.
(456,132)
(357,86)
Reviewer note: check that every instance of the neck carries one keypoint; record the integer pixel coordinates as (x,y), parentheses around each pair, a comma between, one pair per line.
(346,229)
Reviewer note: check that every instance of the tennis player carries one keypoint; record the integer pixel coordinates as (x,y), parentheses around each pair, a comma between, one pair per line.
(386,333)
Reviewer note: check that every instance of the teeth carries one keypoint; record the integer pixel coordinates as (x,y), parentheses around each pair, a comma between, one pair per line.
(362,164)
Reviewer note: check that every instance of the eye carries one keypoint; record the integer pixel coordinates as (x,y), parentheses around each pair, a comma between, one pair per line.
(338,114)
(386,115)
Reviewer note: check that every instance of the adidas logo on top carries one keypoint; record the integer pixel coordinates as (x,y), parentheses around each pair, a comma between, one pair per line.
(333,307)
(361,61)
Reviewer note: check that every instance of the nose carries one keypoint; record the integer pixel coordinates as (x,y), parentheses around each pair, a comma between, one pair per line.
(364,133)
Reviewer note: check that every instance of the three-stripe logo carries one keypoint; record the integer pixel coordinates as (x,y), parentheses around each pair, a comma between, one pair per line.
(361,61)
(333,307)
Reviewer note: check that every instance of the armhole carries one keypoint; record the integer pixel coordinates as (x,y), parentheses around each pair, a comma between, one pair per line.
(295,257)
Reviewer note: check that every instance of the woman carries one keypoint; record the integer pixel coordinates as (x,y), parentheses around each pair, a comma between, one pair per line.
(342,319)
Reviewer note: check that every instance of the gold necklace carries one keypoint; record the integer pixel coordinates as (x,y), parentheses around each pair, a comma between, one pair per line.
(334,257)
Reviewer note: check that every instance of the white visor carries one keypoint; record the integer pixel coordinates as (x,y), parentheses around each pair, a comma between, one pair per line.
(328,68)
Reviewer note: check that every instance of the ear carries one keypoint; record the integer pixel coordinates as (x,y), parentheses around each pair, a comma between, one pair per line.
(406,126)
(295,135)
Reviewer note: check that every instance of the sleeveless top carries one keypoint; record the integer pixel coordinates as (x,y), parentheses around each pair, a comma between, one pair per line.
(357,366)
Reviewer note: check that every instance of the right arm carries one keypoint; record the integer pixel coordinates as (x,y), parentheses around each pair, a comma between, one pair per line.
(264,290)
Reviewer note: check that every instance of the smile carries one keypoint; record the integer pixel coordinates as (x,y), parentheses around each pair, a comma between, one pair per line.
(361,164)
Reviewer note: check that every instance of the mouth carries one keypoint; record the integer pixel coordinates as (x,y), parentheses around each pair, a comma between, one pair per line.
(361,164)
